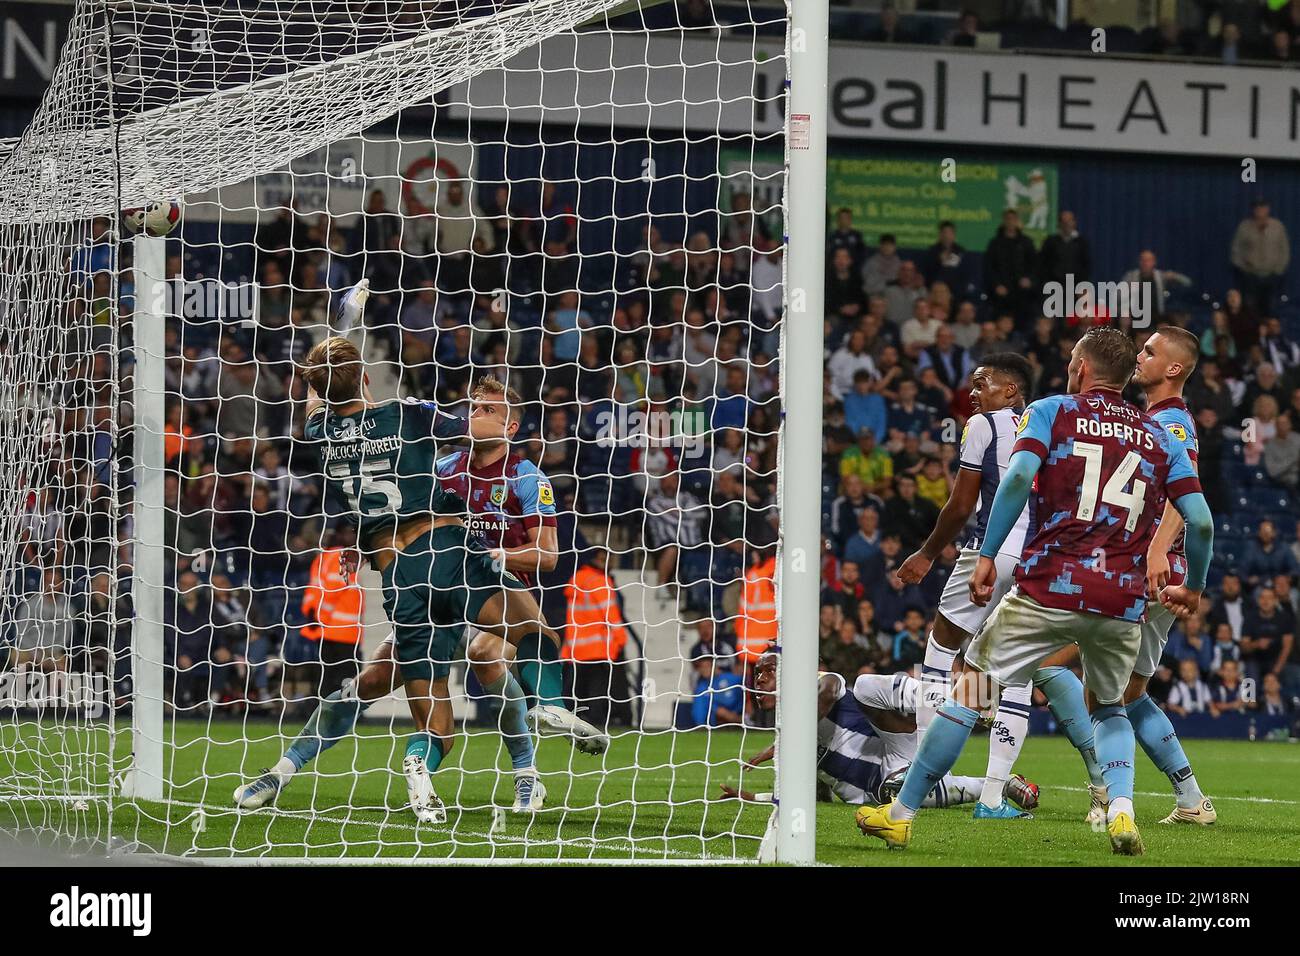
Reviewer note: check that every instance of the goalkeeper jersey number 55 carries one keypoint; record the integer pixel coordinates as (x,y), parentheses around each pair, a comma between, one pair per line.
(379,462)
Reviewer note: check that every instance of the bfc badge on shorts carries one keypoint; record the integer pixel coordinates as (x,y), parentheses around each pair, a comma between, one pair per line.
(498,495)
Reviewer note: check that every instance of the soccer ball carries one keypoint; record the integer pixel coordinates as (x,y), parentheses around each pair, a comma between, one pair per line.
(156,219)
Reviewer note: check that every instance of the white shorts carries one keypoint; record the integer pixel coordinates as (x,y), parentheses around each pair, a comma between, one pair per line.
(1021,633)
(896,693)
(956,605)
(1155,635)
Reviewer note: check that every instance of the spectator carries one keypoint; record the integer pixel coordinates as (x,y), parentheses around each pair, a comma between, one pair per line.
(846,508)
(909,643)
(847,238)
(1156,279)
(719,694)
(968,27)
(1274,706)
(675,525)
(946,261)
(1207,389)
(1268,633)
(1266,557)
(933,482)
(1266,384)
(865,408)
(863,546)
(1261,253)
(1065,253)
(882,267)
(1210,439)
(889,30)
(919,331)
(1228,47)
(710,644)
(43,626)
(901,295)
(848,653)
(566,322)
(848,588)
(908,515)
(845,298)
(1010,262)
(1190,695)
(848,360)
(1230,608)
(1224,648)
(1282,454)
(907,415)
(1188,641)
(1227,691)
(870,462)
(950,361)
(1279,350)
(965,325)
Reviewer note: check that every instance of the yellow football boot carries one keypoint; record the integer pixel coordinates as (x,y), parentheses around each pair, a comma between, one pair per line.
(876,822)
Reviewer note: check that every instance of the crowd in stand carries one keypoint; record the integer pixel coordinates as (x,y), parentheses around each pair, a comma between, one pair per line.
(488,283)
(1232,32)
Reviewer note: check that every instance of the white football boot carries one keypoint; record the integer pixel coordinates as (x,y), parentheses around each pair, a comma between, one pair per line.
(1098,806)
(550,721)
(530,795)
(265,789)
(425,803)
(1202,814)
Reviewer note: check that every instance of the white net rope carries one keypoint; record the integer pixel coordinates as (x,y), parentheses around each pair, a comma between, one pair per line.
(587,209)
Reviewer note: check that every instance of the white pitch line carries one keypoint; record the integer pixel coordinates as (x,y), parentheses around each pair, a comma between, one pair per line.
(302,816)
(1166,793)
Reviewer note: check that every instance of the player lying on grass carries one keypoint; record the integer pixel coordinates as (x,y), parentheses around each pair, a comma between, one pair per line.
(1101,470)
(866,738)
(379,465)
(999,388)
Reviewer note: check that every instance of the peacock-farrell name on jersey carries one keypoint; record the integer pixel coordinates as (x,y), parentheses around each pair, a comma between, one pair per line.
(379,463)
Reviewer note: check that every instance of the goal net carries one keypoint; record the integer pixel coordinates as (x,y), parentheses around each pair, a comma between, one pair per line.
(583,200)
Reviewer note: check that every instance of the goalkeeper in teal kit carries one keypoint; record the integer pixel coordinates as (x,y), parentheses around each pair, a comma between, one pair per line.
(379,463)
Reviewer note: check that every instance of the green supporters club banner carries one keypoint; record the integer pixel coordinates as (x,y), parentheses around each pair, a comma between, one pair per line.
(910,196)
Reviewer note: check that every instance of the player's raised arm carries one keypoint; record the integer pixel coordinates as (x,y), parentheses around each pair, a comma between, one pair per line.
(959,506)
(1013,493)
(1184,490)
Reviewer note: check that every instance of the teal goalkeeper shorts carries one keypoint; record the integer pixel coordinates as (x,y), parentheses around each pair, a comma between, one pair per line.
(432,589)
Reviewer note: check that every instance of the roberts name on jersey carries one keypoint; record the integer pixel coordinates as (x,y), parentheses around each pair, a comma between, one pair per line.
(1106,471)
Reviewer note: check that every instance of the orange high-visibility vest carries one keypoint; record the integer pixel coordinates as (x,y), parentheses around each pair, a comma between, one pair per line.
(596,631)
(338,603)
(756,621)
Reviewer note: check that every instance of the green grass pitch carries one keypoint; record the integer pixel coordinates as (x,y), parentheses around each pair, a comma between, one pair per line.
(650,798)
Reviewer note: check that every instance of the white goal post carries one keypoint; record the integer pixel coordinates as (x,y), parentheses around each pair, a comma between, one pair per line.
(617,205)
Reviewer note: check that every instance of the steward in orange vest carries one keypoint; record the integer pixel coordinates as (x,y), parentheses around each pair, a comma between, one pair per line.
(333,600)
(756,614)
(596,630)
